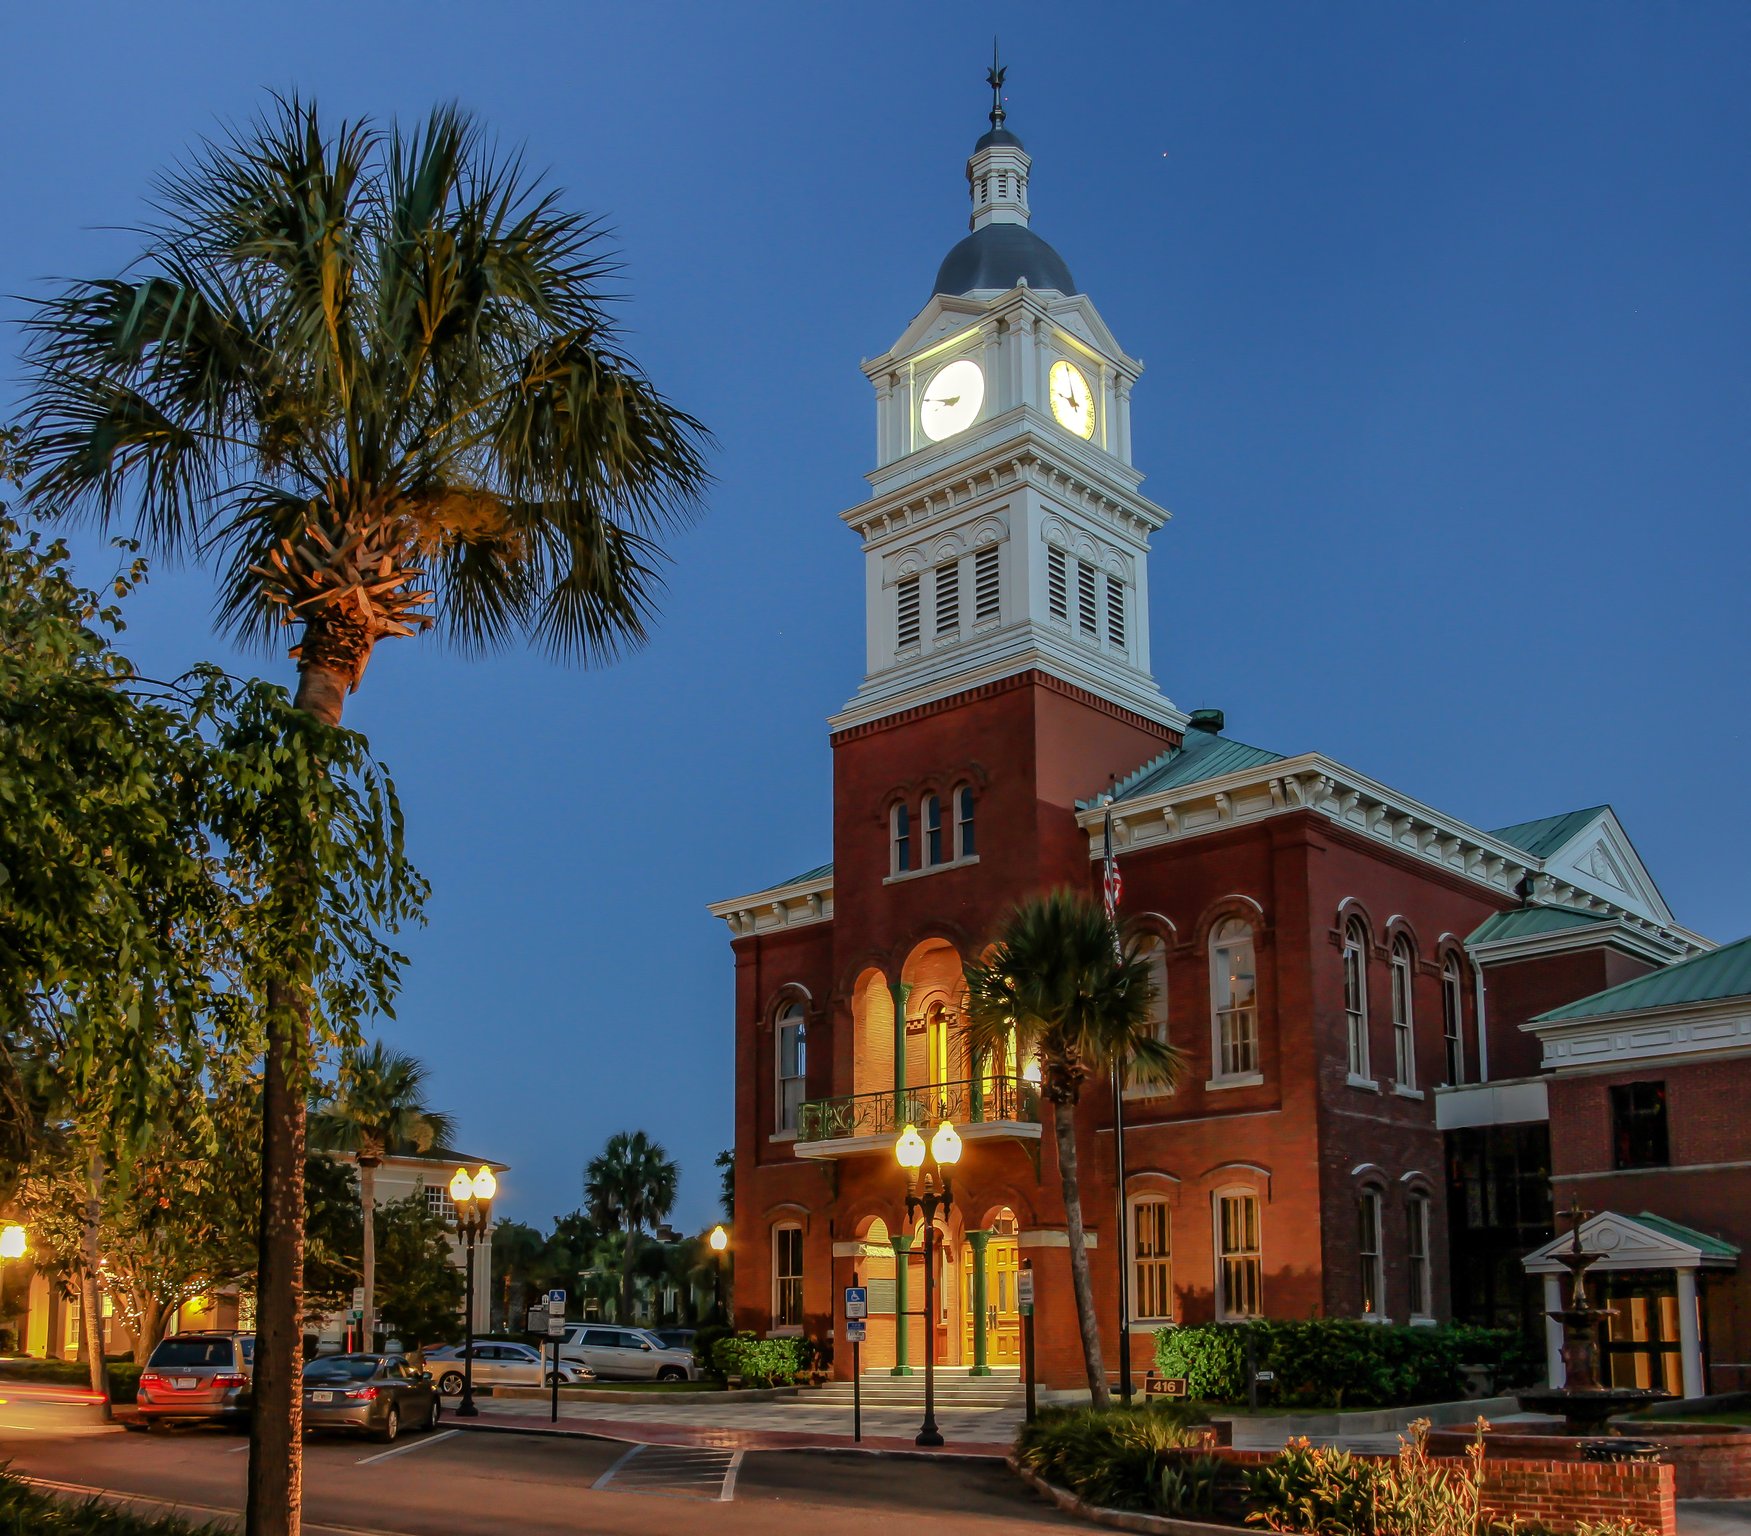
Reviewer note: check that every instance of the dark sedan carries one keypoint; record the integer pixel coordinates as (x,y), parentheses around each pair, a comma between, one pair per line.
(376,1395)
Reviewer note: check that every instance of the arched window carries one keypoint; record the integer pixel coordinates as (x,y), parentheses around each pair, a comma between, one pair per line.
(1368,1253)
(1240,1275)
(1356,995)
(1417,1250)
(966,842)
(933,844)
(791,1045)
(1234,1001)
(1453,1019)
(787,1276)
(1404,1040)
(1154,955)
(901,824)
(1151,1260)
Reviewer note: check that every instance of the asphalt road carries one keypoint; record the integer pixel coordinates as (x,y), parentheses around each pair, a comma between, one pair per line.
(466,1483)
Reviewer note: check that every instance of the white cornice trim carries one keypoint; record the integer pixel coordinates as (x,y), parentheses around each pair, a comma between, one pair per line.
(780,906)
(1634,935)
(1712,1030)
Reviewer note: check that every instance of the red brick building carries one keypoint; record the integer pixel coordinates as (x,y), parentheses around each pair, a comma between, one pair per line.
(1344,968)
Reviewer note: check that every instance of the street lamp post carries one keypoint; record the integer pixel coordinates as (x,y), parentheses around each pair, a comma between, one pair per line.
(945,1152)
(472,1198)
(11,1247)
(719,1240)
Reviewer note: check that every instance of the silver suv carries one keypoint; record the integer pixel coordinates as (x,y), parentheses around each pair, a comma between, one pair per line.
(197,1376)
(626,1354)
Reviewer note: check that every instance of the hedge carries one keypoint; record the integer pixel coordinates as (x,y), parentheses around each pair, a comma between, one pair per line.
(124,1376)
(23,1509)
(759,1362)
(1340,1363)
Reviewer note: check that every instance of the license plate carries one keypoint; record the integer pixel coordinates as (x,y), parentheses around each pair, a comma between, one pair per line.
(187,1383)
(322,1397)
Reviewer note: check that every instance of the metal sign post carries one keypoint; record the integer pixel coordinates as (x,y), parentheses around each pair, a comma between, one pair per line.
(556,1332)
(1024,1296)
(856,1311)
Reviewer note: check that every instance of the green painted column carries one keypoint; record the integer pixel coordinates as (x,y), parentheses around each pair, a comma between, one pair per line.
(981,1343)
(901,990)
(902,1321)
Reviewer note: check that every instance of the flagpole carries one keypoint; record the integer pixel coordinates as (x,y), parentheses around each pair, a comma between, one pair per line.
(1110,890)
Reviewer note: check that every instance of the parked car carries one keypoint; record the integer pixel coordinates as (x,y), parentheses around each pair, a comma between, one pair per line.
(195,1376)
(377,1395)
(675,1338)
(499,1364)
(626,1354)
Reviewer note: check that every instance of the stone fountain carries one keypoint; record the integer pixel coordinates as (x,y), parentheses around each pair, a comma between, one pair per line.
(1584,1404)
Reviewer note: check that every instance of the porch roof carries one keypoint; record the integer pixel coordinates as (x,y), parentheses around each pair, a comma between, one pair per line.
(1642,1241)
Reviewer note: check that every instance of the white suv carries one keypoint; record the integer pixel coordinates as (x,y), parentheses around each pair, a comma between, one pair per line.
(626,1354)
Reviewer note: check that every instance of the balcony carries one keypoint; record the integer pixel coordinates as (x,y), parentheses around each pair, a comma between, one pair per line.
(981,1108)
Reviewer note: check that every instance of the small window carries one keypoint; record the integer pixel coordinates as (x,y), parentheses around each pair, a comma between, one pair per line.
(1234,998)
(1638,1126)
(1404,1040)
(987,595)
(933,829)
(787,1277)
(1368,1251)
(1453,1019)
(1239,1257)
(906,625)
(1356,995)
(1115,613)
(1417,1248)
(902,838)
(793,1066)
(1057,588)
(966,836)
(440,1205)
(1087,619)
(948,598)
(1151,1261)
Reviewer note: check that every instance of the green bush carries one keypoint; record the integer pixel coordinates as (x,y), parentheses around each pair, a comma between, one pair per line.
(705,1342)
(1341,1363)
(124,1376)
(759,1362)
(1114,1458)
(25,1512)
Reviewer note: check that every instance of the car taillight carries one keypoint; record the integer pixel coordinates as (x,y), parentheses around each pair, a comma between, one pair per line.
(151,1379)
(362,1394)
(232,1380)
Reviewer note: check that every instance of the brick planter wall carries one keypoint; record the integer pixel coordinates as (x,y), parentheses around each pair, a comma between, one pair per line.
(1709,1461)
(1561,1493)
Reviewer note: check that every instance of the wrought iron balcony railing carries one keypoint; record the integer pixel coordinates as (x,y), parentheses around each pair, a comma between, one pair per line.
(978,1101)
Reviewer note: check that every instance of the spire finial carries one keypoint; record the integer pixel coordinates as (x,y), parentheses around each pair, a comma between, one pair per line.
(994,78)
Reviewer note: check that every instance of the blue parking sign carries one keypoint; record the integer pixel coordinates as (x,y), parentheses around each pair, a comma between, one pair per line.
(856,1301)
(856,1330)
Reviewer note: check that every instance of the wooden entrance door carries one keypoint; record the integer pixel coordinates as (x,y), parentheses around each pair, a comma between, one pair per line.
(1002,1313)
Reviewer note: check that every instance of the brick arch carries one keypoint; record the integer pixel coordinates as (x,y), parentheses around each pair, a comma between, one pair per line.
(1154,925)
(1235,904)
(997,1197)
(932,931)
(1151,1181)
(1238,1174)
(1353,907)
(784,994)
(1398,926)
(785,1213)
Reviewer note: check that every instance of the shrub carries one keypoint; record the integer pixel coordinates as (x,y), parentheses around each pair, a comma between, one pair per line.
(1113,1458)
(759,1362)
(24,1509)
(1338,1363)
(705,1342)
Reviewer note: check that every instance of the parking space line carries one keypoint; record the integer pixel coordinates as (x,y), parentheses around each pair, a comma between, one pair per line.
(728,1491)
(607,1477)
(238,1450)
(412,1445)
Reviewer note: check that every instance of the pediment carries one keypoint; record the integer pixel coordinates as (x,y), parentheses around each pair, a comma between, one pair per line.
(1600,858)
(948,315)
(1624,1243)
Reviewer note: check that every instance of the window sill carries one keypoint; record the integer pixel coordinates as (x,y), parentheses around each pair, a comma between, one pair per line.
(1425,1322)
(1365,1083)
(1149,1324)
(1407,1093)
(783,1136)
(1238,1080)
(930,869)
(1147,1091)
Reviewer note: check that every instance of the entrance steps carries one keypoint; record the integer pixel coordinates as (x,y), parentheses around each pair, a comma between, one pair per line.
(954,1389)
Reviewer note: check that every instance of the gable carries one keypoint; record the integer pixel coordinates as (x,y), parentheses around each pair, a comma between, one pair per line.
(1627,1242)
(1598,856)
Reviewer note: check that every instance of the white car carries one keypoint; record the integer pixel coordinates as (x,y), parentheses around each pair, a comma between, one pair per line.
(626,1354)
(498,1364)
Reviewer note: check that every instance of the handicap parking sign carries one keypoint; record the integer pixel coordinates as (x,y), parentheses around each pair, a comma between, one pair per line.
(856,1301)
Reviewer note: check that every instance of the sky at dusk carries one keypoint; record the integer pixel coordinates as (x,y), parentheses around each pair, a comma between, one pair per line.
(1448,343)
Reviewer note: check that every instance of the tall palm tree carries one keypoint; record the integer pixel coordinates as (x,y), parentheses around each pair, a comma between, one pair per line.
(1054,990)
(371,374)
(630,1185)
(379,1109)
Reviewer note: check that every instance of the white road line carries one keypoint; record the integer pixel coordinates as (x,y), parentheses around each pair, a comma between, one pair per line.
(238,1450)
(412,1445)
(185,1507)
(607,1477)
(728,1491)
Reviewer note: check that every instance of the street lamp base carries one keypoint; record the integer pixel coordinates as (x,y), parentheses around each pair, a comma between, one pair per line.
(467,1411)
(930,1437)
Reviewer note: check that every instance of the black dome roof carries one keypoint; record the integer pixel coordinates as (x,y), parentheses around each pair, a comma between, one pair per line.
(996,136)
(999,256)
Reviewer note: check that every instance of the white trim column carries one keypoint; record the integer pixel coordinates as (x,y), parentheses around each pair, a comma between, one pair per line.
(1689,1335)
(1553,1332)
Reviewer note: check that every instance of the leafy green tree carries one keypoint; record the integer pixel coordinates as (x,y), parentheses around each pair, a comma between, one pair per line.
(630,1186)
(517,1260)
(1053,990)
(334,1238)
(371,374)
(421,1288)
(379,1109)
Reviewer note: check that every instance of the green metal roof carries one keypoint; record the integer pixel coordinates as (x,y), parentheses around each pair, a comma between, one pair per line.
(1548,833)
(1202,755)
(1710,1247)
(1723,972)
(1524,922)
(819,872)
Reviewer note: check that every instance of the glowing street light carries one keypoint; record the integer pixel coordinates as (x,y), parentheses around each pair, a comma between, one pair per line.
(945,1152)
(472,1198)
(719,1240)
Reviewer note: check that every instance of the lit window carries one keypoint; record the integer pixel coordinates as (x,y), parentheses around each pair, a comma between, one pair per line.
(1356,995)
(1404,1042)
(1368,1251)
(966,839)
(787,1277)
(948,598)
(1115,613)
(1234,1000)
(933,829)
(793,1064)
(1086,617)
(1057,588)
(906,625)
(1453,1019)
(902,838)
(1151,1261)
(1417,1246)
(1239,1258)
(987,595)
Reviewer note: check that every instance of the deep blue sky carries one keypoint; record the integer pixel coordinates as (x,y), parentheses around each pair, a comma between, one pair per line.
(1449,344)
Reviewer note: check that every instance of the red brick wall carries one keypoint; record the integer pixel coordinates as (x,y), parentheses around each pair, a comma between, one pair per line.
(1561,1494)
(1518,990)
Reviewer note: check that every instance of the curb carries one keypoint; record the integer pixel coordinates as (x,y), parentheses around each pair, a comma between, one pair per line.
(1118,1519)
(597,1395)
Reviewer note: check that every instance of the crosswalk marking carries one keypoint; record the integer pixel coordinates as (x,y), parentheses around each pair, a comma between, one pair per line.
(674,1471)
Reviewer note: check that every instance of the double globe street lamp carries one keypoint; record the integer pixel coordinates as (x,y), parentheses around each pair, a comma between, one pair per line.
(719,1241)
(944,1152)
(472,1198)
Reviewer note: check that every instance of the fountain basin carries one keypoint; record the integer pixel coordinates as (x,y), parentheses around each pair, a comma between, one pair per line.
(1586,1411)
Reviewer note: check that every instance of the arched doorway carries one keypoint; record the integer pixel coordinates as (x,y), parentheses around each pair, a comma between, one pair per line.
(994,1273)
(875,1269)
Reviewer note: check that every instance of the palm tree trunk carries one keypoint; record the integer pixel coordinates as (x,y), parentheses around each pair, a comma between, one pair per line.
(276,1426)
(628,1258)
(368,1207)
(1064,1128)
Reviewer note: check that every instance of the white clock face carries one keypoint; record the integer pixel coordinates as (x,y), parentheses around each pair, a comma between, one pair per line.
(1072,399)
(951,399)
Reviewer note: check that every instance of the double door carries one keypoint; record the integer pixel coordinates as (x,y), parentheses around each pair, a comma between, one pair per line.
(1002,1311)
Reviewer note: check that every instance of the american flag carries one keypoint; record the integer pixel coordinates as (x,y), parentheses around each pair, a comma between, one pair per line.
(1111,885)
